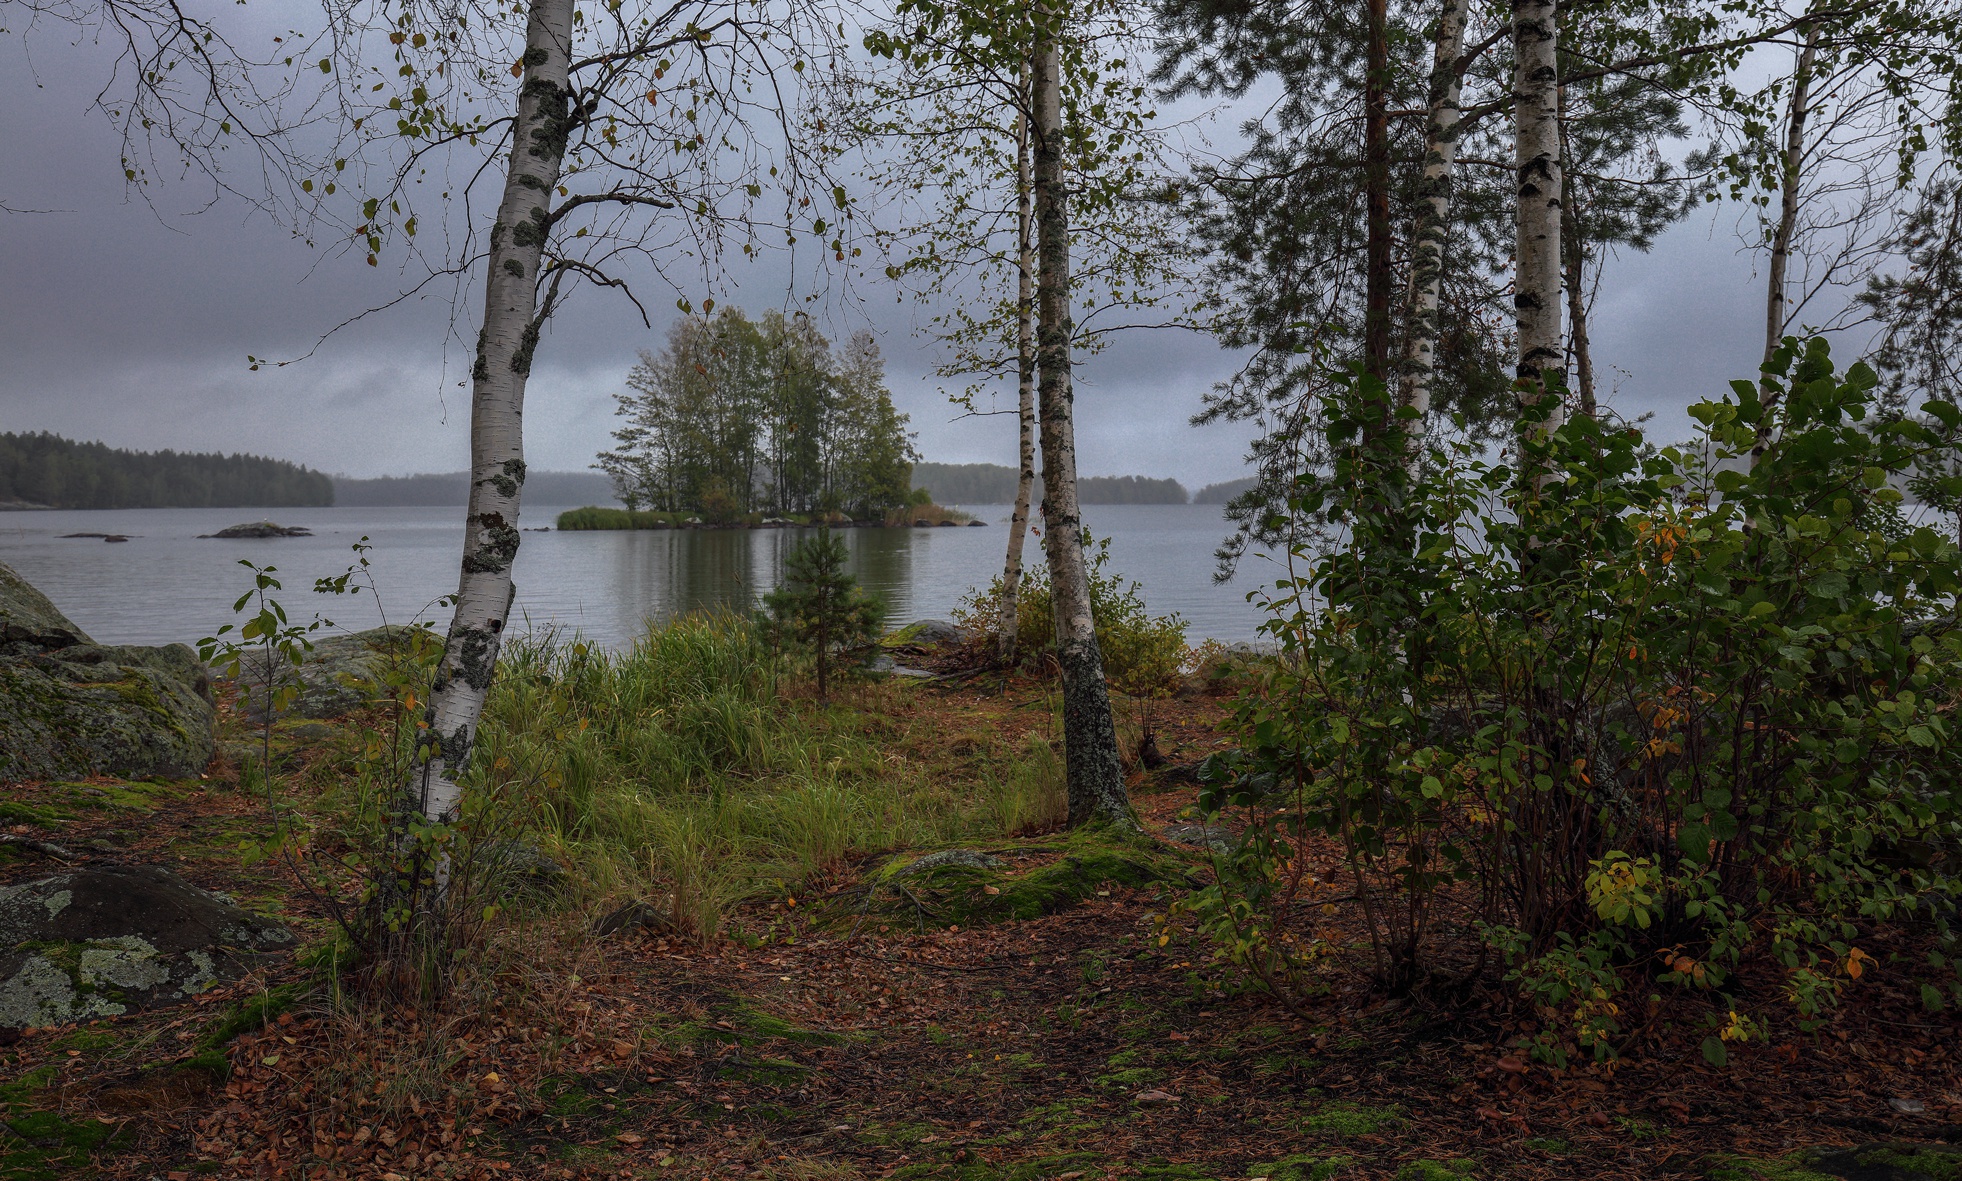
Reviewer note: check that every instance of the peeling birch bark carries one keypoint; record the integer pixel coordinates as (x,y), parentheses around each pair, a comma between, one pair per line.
(1025,264)
(1433,220)
(1096,780)
(497,467)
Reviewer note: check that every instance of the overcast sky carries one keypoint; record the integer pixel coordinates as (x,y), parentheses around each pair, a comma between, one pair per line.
(131,324)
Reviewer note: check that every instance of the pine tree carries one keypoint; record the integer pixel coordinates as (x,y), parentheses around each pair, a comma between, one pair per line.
(820,606)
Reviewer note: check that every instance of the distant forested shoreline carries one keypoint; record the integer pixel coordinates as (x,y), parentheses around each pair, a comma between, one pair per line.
(994,483)
(43,470)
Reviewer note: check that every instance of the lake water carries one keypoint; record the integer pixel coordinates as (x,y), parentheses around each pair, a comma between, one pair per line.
(167,584)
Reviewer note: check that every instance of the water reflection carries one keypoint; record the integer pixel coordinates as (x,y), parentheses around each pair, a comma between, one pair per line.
(169,584)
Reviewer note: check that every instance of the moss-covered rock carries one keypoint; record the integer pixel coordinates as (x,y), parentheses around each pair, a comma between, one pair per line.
(70,707)
(965,887)
(339,675)
(100,942)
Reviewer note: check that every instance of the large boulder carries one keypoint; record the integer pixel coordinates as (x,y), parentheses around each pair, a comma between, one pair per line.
(104,941)
(70,707)
(338,676)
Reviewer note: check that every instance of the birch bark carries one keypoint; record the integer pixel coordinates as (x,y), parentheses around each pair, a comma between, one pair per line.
(497,467)
(1025,264)
(1536,115)
(1096,782)
(1378,278)
(1433,218)
(1797,112)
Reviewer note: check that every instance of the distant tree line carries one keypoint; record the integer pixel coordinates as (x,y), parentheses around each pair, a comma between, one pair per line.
(1226,492)
(993,483)
(46,469)
(735,416)
(453,488)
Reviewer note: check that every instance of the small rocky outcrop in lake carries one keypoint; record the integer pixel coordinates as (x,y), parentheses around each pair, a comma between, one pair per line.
(71,707)
(261,529)
(101,942)
(95,536)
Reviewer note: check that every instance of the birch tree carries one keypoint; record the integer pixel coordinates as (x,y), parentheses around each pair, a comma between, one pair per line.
(1095,777)
(958,227)
(600,161)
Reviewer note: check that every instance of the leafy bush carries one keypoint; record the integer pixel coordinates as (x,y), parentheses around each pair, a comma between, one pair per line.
(1650,717)
(1143,653)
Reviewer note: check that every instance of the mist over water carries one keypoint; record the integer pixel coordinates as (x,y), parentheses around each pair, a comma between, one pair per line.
(167,584)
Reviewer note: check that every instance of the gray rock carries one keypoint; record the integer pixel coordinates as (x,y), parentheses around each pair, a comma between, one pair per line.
(339,676)
(634,915)
(514,866)
(1209,837)
(965,858)
(70,707)
(28,618)
(260,529)
(931,631)
(104,941)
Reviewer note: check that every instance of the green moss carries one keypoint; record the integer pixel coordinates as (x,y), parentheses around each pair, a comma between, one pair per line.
(1640,1128)
(254,1012)
(966,895)
(1431,1170)
(1030,1169)
(1137,1076)
(41,1145)
(1738,1168)
(1301,1167)
(1163,1170)
(1545,1144)
(1348,1119)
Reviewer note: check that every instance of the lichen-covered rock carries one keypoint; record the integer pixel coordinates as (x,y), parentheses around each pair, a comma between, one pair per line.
(103,941)
(338,676)
(70,707)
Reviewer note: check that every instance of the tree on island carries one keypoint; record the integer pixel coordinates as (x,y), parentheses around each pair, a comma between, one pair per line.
(735,416)
(820,606)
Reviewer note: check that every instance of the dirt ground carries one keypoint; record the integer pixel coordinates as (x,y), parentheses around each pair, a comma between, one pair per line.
(827,1038)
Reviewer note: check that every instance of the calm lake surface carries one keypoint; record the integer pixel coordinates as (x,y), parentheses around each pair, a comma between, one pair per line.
(167,584)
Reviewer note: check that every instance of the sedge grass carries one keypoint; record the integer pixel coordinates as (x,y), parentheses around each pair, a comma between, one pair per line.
(690,765)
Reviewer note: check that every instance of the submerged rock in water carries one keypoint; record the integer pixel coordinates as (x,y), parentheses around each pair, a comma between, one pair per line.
(101,942)
(261,529)
(70,707)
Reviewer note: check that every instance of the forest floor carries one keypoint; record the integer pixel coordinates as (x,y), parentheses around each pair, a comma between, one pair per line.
(844,1032)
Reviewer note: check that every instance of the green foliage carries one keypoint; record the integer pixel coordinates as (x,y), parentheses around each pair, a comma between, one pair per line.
(734,417)
(49,470)
(1143,653)
(1654,714)
(820,607)
(617,518)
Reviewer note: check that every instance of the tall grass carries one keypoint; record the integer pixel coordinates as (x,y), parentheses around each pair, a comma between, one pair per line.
(689,766)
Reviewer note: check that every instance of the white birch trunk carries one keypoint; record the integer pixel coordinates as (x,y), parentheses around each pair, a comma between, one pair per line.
(1536,285)
(1797,111)
(497,467)
(1096,780)
(1433,219)
(1025,265)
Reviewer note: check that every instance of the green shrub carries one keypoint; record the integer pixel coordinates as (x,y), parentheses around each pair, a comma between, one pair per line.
(1143,653)
(591,518)
(1647,716)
